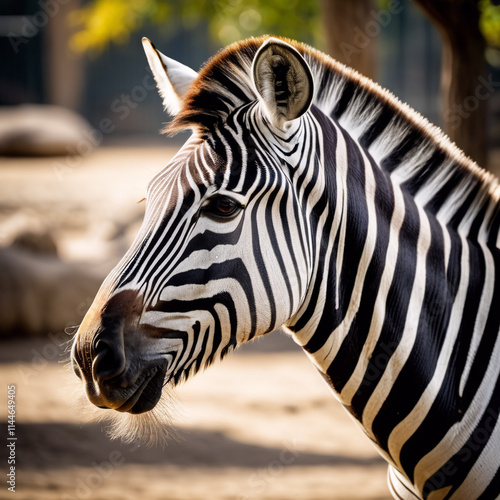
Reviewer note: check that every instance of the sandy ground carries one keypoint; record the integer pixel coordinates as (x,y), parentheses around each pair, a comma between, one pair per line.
(260,425)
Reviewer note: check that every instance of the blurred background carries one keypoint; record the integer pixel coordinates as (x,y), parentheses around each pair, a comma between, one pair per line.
(79,140)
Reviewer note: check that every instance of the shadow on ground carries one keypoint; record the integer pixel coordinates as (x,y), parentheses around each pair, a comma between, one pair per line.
(61,445)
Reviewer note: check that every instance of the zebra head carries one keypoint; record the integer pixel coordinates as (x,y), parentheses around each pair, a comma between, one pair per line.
(223,255)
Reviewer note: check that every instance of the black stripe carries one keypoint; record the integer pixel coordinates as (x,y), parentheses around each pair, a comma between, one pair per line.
(408,144)
(374,131)
(346,359)
(425,173)
(455,471)
(399,295)
(348,92)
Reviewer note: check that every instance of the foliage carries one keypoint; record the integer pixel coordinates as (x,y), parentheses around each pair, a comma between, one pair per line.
(101,22)
(105,21)
(490,22)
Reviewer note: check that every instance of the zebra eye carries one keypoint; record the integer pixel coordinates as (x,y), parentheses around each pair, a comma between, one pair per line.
(222,206)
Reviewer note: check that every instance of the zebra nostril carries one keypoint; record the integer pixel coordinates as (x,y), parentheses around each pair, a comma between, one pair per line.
(109,361)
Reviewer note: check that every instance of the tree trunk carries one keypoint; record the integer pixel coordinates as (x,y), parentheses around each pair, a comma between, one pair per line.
(351,31)
(465,87)
(65,70)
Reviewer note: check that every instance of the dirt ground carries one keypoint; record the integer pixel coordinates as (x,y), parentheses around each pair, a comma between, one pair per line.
(260,425)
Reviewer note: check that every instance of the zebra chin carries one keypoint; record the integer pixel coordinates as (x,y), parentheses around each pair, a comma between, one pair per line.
(138,397)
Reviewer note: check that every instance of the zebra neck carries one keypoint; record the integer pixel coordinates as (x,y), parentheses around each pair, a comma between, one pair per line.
(347,311)
(384,319)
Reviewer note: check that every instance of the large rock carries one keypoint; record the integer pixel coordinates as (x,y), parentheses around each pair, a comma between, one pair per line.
(41,130)
(41,294)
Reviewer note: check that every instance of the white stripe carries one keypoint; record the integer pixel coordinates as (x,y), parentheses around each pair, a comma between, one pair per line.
(484,469)
(381,302)
(458,434)
(485,304)
(402,352)
(366,256)
(407,427)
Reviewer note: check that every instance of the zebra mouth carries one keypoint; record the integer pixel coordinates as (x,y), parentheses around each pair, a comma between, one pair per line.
(147,394)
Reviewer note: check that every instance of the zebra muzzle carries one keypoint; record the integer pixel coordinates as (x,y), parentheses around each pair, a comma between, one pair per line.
(108,356)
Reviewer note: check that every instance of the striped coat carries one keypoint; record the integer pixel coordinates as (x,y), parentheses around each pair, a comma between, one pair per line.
(310,198)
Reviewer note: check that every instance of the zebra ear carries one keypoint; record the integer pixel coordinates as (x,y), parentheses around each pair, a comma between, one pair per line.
(283,81)
(172,78)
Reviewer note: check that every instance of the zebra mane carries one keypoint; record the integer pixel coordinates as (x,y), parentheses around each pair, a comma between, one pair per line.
(399,139)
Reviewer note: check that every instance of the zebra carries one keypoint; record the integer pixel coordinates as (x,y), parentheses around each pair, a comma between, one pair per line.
(312,199)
